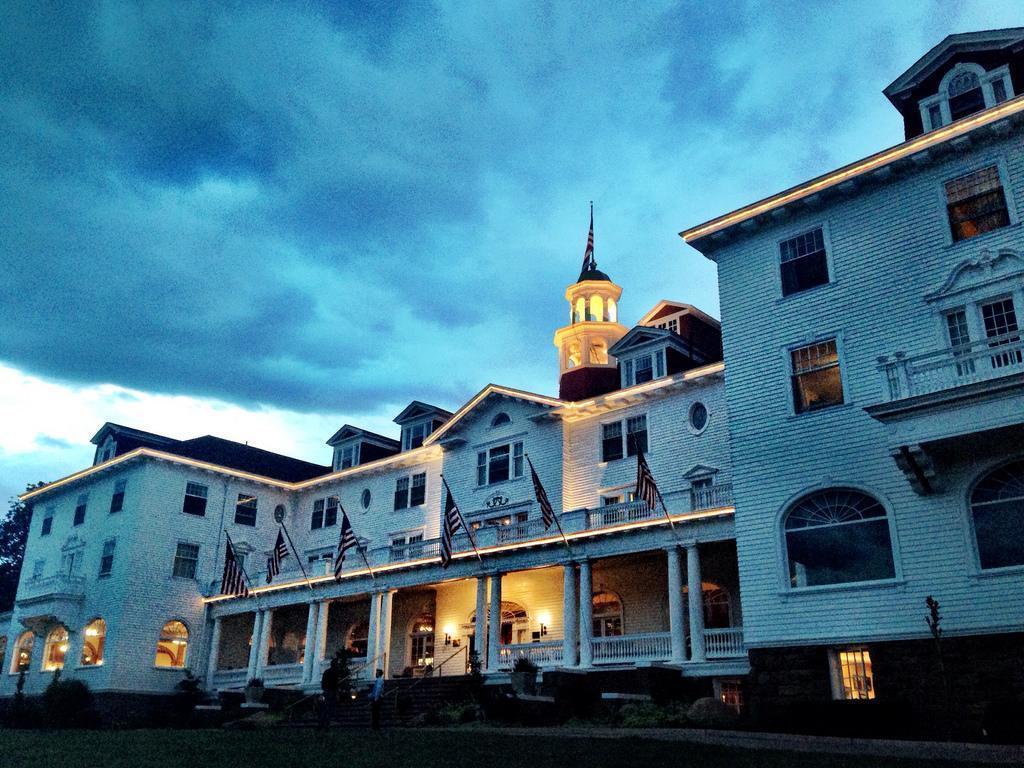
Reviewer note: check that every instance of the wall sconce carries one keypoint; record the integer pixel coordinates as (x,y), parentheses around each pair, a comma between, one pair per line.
(447,639)
(543,629)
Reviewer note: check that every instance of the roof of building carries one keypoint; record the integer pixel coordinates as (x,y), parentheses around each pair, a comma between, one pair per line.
(418,409)
(592,273)
(348,432)
(246,458)
(138,435)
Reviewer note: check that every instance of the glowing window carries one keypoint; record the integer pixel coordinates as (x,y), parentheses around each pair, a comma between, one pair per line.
(581,310)
(599,353)
(56,649)
(596,308)
(21,658)
(574,357)
(607,615)
(852,678)
(976,203)
(610,314)
(172,647)
(422,642)
(93,640)
(816,379)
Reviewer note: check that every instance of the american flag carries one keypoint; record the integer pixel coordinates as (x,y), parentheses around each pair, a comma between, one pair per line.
(449,526)
(274,561)
(546,510)
(233,581)
(588,254)
(345,543)
(646,488)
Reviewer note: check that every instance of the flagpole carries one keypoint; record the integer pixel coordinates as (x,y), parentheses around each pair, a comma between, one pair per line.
(362,551)
(553,515)
(465,525)
(643,459)
(241,567)
(296,553)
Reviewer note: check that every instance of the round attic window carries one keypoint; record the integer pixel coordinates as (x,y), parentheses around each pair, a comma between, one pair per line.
(698,417)
(366,498)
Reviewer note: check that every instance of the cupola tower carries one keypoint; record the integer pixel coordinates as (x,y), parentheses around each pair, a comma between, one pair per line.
(585,367)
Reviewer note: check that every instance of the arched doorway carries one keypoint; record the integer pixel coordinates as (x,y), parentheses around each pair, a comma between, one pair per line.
(515,625)
(717,605)
(421,642)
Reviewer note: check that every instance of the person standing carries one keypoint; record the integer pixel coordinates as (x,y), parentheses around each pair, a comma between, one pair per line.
(329,686)
(376,694)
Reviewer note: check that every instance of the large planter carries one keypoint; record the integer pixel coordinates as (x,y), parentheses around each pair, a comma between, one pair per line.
(524,683)
(253,694)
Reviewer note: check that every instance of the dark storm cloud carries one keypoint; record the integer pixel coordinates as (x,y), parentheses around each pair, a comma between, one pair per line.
(329,207)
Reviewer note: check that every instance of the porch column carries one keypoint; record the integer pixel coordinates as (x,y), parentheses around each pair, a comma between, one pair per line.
(586,629)
(494,625)
(211,668)
(312,651)
(386,602)
(372,645)
(696,601)
(570,615)
(254,642)
(261,659)
(676,617)
(480,630)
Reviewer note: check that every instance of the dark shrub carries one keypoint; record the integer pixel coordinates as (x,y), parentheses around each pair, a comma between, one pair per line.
(68,704)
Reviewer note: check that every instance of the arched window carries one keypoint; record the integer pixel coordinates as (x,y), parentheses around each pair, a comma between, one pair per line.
(581,310)
(500,418)
(609,311)
(56,649)
(607,614)
(93,640)
(172,647)
(574,357)
(21,658)
(837,536)
(717,607)
(997,510)
(421,641)
(515,623)
(596,308)
(965,95)
(358,638)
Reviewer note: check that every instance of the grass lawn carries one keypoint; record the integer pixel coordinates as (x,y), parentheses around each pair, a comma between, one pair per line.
(394,749)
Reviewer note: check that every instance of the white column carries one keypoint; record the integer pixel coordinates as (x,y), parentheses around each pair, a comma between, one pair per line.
(322,617)
(696,601)
(254,642)
(372,646)
(570,615)
(386,602)
(480,630)
(211,668)
(676,614)
(261,659)
(312,645)
(494,625)
(586,616)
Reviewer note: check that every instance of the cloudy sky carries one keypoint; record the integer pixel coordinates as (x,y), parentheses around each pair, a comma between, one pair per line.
(264,220)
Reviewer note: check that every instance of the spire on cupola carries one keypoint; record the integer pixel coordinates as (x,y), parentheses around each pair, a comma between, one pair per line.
(586,368)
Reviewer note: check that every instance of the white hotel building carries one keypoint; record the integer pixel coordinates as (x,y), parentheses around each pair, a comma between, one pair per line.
(869,422)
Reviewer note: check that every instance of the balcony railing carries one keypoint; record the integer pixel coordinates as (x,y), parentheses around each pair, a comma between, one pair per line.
(724,643)
(60,585)
(547,654)
(649,646)
(711,497)
(932,372)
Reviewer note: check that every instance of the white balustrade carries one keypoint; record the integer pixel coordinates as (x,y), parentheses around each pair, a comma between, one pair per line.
(227,679)
(547,654)
(711,497)
(618,514)
(649,646)
(282,675)
(724,643)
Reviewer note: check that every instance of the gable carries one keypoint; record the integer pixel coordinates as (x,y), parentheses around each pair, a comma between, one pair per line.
(639,337)
(486,402)
(417,410)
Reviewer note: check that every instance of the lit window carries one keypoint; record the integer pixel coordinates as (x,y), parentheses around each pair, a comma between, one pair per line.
(331,511)
(195,499)
(607,615)
(93,640)
(56,649)
(815,376)
(500,463)
(186,558)
(245,509)
(47,522)
(804,263)
(837,536)
(317,520)
(731,694)
(976,203)
(21,658)
(358,638)
(851,674)
(422,642)
(997,511)
(418,492)
(117,499)
(172,647)
(401,493)
(83,501)
(107,558)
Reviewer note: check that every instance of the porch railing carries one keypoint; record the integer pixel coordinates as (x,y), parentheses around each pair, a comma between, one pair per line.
(226,679)
(711,497)
(59,585)
(618,514)
(282,674)
(547,654)
(650,646)
(724,643)
(935,371)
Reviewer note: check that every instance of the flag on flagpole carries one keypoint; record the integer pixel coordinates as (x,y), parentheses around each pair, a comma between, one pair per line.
(646,488)
(449,526)
(588,254)
(274,561)
(546,510)
(345,543)
(233,580)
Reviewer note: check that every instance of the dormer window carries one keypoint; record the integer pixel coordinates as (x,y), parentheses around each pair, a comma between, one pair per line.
(643,368)
(414,435)
(966,89)
(347,456)
(965,96)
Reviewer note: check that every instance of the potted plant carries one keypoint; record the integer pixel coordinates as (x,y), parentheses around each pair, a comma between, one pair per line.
(524,676)
(254,691)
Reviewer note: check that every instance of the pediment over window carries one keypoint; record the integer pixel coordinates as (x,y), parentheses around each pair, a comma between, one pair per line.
(984,270)
(481,404)
(639,337)
(72,542)
(700,470)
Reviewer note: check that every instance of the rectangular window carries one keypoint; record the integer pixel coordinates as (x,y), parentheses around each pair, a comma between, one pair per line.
(37,569)
(628,373)
(852,678)
(349,456)
(644,370)
(317,520)
(497,464)
(481,468)
(401,493)
(117,500)
(47,522)
(107,558)
(500,463)
(186,558)
(960,340)
(611,441)
(803,262)
(999,90)
(331,511)
(517,460)
(659,364)
(935,116)
(414,435)
(976,203)
(83,502)
(815,376)
(418,494)
(195,499)
(607,501)
(1000,318)
(636,435)
(245,509)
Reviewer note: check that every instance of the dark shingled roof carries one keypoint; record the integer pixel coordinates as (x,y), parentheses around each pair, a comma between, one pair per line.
(245,458)
(593,274)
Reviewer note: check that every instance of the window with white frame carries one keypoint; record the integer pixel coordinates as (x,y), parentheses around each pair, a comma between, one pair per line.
(331,511)
(671,325)
(56,648)
(852,678)
(195,499)
(245,509)
(107,558)
(616,443)
(976,203)
(316,520)
(413,435)
(117,498)
(80,507)
(643,368)
(815,376)
(997,516)
(967,88)
(348,456)
(499,463)
(803,262)
(186,560)
(410,491)
(406,545)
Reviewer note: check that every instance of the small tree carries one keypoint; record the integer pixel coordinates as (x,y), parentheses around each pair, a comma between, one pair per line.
(934,622)
(13,535)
